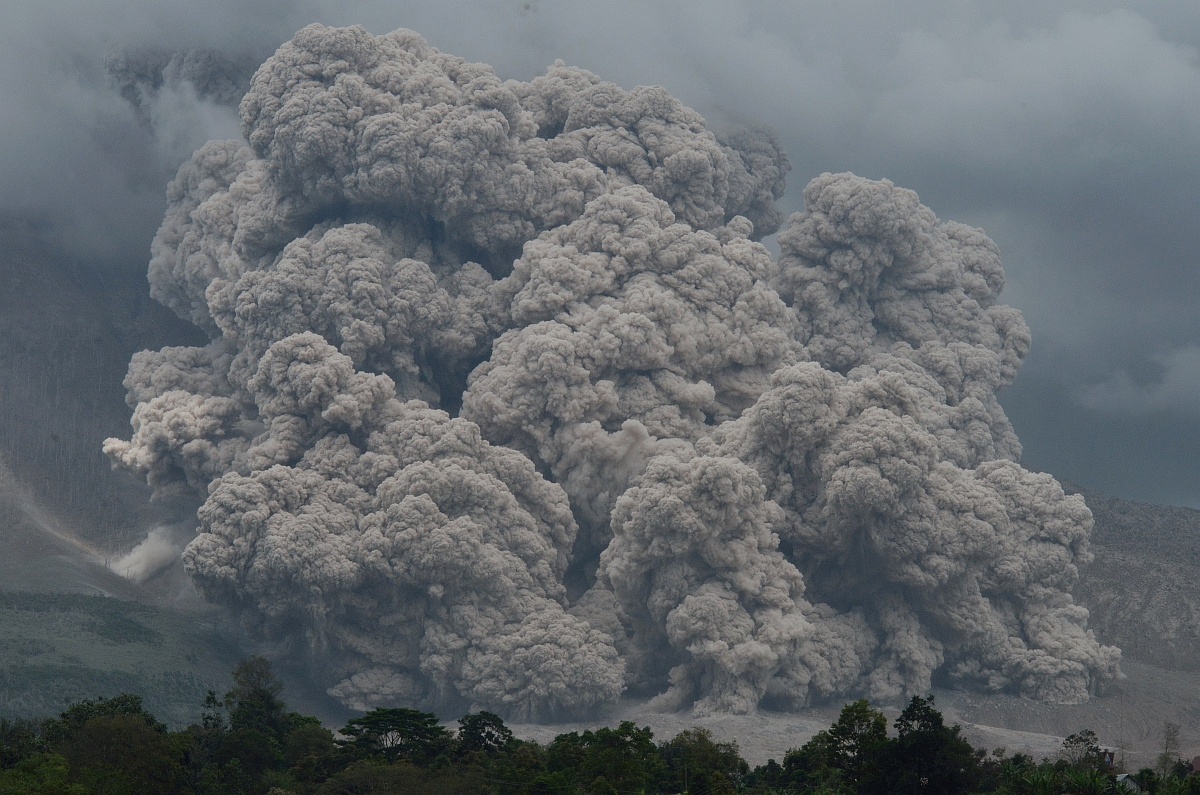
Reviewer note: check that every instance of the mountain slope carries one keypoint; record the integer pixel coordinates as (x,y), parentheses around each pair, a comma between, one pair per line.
(1143,588)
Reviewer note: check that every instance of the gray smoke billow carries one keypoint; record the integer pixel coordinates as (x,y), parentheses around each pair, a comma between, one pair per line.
(505,406)
(142,76)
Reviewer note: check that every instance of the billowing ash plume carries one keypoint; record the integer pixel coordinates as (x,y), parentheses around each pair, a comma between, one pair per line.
(505,405)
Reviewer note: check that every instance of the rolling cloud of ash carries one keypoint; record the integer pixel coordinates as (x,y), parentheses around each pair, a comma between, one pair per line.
(157,552)
(505,406)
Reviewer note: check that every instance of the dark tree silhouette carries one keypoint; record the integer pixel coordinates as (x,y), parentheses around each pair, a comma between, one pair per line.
(61,729)
(695,762)
(926,756)
(482,731)
(254,701)
(397,734)
(624,758)
(844,756)
(116,754)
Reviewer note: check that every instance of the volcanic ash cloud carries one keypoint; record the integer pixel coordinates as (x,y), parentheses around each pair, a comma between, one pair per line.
(505,405)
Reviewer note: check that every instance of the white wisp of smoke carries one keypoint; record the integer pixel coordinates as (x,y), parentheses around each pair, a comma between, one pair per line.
(157,552)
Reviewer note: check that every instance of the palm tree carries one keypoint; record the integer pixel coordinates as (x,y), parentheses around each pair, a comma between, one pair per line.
(1086,782)
(1041,780)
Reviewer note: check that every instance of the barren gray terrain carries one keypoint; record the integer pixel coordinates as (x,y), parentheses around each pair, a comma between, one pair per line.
(1143,588)
(66,335)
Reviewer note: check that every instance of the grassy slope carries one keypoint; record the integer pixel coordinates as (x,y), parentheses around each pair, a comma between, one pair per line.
(56,649)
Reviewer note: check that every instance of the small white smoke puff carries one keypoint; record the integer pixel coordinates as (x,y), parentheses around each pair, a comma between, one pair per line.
(505,406)
(155,554)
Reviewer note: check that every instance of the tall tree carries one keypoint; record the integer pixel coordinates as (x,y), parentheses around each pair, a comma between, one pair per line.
(624,758)
(926,756)
(482,731)
(1165,762)
(397,733)
(1081,751)
(254,701)
(696,762)
(842,757)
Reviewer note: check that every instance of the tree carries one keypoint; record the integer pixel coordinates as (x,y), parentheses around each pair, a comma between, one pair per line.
(927,756)
(40,774)
(398,733)
(254,751)
(60,730)
(212,717)
(118,754)
(843,755)
(254,701)
(1041,780)
(523,764)
(484,732)
(1081,751)
(624,758)
(1014,773)
(1164,763)
(19,739)
(374,777)
(226,778)
(764,778)
(1147,779)
(556,783)
(1179,785)
(241,740)
(696,762)
(1087,781)
(309,752)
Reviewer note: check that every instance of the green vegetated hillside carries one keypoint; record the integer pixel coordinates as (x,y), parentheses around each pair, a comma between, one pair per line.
(57,649)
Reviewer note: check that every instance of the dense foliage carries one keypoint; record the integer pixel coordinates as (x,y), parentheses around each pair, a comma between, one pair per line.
(249,743)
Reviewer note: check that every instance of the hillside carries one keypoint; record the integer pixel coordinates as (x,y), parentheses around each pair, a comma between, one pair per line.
(57,649)
(1143,588)
(68,332)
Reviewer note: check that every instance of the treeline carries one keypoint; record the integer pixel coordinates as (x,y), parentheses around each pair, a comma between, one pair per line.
(249,743)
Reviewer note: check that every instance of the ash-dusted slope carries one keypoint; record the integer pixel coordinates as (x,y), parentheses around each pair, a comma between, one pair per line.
(55,310)
(504,404)
(1143,586)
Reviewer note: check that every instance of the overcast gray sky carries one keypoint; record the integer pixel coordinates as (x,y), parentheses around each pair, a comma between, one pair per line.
(1068,131)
